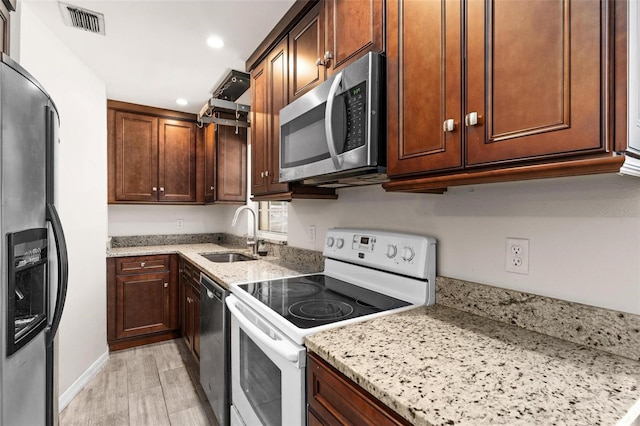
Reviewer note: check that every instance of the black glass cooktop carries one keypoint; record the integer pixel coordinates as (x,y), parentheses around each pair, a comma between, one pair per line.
(315,300)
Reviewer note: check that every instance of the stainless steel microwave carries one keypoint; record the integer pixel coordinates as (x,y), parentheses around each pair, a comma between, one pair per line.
(335,134)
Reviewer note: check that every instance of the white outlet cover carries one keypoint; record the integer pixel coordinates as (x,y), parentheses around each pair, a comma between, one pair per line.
(517,248)
(312,233)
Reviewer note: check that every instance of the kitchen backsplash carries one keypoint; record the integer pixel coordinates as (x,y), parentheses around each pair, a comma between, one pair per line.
(610,331)
(163,240)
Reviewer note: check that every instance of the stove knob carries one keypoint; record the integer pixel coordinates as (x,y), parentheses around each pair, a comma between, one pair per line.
(392,250)
(340,243)
(330,242)
(408,254)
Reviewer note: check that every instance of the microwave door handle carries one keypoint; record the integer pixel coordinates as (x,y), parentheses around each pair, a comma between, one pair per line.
(328,113)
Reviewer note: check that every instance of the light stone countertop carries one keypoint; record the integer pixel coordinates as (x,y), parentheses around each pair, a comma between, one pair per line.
(266,267)
(437,365)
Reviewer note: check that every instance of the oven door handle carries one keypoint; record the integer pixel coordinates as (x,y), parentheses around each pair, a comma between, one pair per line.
(281,347)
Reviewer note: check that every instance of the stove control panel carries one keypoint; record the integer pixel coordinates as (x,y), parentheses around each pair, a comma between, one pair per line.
(406,254)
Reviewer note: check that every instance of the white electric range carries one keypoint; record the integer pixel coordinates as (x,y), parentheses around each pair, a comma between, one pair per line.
(368,273)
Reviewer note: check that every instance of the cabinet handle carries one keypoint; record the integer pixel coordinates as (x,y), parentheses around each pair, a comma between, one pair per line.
(154,189)
(471,119)
(319,62)
(166,285)
(261,174)
(212,187)
(327,55)
(162,189)
(266,173)
(449,125)
(142,264)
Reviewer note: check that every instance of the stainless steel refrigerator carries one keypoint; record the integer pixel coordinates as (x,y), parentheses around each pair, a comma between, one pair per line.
(33,252)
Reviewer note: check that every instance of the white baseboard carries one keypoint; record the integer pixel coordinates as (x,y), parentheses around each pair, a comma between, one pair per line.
(77,386)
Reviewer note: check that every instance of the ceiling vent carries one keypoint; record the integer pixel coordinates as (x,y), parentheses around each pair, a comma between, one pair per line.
(77,17)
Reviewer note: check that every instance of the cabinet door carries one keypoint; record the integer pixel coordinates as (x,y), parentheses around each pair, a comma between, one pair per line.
(353,29)
(424,66)
(535,77)
(210,163)
(143,304)
(306,53)
(136,162)
(177,161)
(232,164)
(259,129)
(278,92)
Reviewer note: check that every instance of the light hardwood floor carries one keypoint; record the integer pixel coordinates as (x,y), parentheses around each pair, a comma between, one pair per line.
(151,385)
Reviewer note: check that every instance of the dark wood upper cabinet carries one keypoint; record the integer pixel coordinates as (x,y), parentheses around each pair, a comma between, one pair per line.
(177,161)
(232,164)
(353,28)
(306,53)
(136,157)
(152,155)
(531,89)
(269,93)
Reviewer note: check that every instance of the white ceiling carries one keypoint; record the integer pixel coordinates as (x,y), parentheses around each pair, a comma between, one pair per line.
(155,51)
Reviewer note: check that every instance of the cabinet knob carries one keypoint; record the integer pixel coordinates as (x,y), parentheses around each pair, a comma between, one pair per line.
(266,173)
(166,285)
(162,189)
(154,189)
(261,174)
(449,125)
(327,55)
(471,119)
(319,62)
(142,264)
(211,187)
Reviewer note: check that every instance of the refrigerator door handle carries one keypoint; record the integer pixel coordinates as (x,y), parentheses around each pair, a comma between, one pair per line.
(63,270)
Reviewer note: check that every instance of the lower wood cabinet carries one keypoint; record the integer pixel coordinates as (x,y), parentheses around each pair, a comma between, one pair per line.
(190,307)
(333,399)
(142,300)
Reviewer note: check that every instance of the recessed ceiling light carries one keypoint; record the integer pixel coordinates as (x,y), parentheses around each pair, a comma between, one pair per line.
(215,42)
(182,102)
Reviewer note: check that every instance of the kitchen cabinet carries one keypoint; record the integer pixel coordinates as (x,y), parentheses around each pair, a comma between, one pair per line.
(333,399)
(152,155)
(269,93)
(331,36)
(229,164)
(484,91)
(353,28)
(142,300)
(190,307)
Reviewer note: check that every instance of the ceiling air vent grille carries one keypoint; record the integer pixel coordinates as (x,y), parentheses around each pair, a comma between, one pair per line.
(83,19)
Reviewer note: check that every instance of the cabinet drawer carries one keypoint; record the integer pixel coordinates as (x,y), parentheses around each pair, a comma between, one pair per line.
(139,264)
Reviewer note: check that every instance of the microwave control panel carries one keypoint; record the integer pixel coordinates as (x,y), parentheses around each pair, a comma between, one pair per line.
(355,99)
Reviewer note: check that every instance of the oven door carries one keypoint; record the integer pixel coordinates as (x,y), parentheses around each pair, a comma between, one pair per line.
(267,371)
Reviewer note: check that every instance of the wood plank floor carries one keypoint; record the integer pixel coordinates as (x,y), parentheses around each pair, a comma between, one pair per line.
(151,385)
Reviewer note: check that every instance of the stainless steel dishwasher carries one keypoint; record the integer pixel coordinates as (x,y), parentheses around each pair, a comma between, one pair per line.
(215,365)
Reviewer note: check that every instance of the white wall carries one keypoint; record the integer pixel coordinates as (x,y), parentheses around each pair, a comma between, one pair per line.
(161,220)
(584,232)
(82,190)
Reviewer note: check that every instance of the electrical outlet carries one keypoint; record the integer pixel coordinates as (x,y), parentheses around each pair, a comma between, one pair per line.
(311,233)
(517,256)
(180,223)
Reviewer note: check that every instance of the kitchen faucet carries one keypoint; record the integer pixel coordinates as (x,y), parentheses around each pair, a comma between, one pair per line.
(254,240)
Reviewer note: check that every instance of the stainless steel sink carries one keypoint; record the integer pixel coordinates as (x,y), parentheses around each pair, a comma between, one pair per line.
(226,257)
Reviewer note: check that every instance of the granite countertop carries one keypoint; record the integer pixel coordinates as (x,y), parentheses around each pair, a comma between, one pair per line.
(265,267)
(437,365)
